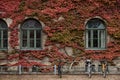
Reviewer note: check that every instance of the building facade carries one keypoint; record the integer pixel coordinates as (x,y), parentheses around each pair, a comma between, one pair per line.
(39,33)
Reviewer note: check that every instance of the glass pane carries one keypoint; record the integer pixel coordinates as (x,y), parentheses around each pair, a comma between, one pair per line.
(101,26)
(31,43)
(103,39)
(95,34)
(0,43)
(95,42)
(0,34)
(5,43)
(38,25)
(31,23)
(38,43)
(95,23)
(95,38)
(24,43)
(3,24)
(38,33)
(31,33)
(89,43)
(5,34)
(24,34)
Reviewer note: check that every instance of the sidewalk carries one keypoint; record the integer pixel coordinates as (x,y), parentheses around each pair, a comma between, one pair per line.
(55,77)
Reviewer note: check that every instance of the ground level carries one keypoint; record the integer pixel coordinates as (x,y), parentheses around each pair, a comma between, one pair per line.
(55,77)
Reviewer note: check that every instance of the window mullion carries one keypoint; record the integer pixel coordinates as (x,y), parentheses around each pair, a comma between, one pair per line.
(87,39)
(103,39)
(34,38)
(0,69)
(21,37)
(98,38)
(28,38)
(2,39)
(91,40)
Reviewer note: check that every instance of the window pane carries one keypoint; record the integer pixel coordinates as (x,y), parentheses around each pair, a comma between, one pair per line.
(95,42)
(24,34)
(5,43)
(0,34)
(100,38)
(95,34)
(38,43)
(31,23)
(24,43)
(38,34)
(95,38)
(3,24)
(31,43)
(103,43)
(5,34)
(95,23)
(0,43)
(89,43)
(31,33)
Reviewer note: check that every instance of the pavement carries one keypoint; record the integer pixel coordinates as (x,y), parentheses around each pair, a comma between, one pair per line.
(56,77)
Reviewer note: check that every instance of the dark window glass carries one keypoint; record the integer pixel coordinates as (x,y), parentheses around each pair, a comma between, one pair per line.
(24,34)
(0,43)
(3,35)
(38,43)
(31,37)
(38,34)
(24,43)
(5,43)
(95,34)
(32,34)
(31,42)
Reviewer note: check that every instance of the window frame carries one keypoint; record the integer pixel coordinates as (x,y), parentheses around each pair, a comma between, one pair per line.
(28,37)
(103,34)
(2,35)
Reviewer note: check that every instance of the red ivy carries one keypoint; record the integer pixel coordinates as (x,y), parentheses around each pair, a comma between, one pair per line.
(74,12)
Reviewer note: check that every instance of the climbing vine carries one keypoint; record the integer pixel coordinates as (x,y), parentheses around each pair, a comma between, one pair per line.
(65,24)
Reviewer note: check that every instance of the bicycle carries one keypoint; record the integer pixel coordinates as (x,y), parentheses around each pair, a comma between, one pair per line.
(104,69)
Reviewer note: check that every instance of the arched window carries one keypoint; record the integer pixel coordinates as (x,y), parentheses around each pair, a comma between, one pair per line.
(3,35)
(31,34)
(95,34)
